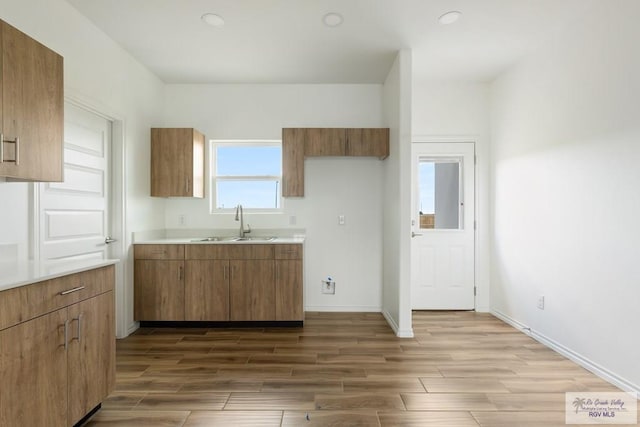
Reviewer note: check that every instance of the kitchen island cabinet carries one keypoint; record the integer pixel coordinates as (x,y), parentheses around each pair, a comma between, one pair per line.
(57,348)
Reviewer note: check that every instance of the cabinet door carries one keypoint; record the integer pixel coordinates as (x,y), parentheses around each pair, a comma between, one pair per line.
(368,142)
(91,355)
(289,304)
(159,290)
(33,368)
(206,290)
(177,162)
(324,142)
(32,107)
(252,290)
(293,162)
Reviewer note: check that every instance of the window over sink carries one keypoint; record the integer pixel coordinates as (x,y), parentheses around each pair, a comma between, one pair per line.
(246,172)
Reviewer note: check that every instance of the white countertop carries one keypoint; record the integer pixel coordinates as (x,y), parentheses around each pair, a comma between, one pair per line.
(16,274)
(194,241)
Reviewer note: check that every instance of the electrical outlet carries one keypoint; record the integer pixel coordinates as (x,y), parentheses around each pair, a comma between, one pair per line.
(340,219)
(292,220)
(182,219)
(541,302)
(328,287)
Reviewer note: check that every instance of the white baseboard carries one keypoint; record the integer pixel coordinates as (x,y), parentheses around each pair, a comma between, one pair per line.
(132,328)
(400,333)
(589,365)
(344,308)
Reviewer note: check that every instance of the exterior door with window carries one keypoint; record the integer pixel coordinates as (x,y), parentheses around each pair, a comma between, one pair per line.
(443,236)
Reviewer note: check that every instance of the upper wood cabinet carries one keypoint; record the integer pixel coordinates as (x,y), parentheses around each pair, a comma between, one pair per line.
(324,142)
(298,143)
(177,162)
(293,162)
(368,142)
(31,108)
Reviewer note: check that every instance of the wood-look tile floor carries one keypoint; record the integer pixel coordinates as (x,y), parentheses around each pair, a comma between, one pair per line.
(343,369)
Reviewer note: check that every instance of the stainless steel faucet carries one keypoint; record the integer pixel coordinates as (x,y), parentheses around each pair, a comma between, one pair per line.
(240,217)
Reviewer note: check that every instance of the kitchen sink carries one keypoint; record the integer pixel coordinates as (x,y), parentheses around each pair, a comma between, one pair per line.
(216,239)
(235,239)
(255,238)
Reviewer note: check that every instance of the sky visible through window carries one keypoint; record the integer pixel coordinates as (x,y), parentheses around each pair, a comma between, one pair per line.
(427,187)
(248,175)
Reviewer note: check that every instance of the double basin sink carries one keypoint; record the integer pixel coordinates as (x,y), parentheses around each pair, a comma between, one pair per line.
(235,239)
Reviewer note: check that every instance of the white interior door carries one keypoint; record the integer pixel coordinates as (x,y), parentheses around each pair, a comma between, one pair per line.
(74,214)
(442,244)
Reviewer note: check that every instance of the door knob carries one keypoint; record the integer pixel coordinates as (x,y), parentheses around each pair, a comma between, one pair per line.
(109,240)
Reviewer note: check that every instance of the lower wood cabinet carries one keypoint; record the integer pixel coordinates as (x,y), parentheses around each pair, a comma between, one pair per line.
(252,290)
(90,354)
(159,290)
(206,290)
(288,290)
(218,282)
(58,366)
(34,372)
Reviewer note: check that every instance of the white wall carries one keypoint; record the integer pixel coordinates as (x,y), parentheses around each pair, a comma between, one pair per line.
(350,254)
(397,95)
(459,111)
(101,74)
(566,202)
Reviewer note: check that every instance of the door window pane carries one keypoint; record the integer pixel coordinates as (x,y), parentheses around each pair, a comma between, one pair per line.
(440,199)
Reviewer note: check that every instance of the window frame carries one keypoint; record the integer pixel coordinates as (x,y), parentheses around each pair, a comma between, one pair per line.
(214,178)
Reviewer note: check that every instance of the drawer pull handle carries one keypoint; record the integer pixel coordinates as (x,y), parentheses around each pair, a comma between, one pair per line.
(66,334)
(8,141)
(79,319)
(70,291)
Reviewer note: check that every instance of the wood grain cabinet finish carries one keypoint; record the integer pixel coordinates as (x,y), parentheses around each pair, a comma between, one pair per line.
(159,278)
(293,148)
(206,290)
(252,290)
(220,282)
(317,142)
(177,162)
(33,369)
(368,142)
(289,297)
(158,289)
(324,142)
(31,108)
(58,364)
(91,370)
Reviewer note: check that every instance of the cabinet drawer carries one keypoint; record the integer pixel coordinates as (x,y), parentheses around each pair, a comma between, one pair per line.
(288,251)
(158,251)
(27,302)
(235,251)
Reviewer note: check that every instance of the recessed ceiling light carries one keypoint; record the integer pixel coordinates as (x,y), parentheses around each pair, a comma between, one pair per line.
(450,17)
(212,19)
(332,19)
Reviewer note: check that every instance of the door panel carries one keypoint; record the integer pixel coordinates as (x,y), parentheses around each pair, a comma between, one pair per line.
(91,354)
(443,243)
(206,290)
(74,214)
(252,290)
(33,369)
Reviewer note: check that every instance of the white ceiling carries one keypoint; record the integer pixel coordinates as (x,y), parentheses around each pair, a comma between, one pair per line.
(284,41)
